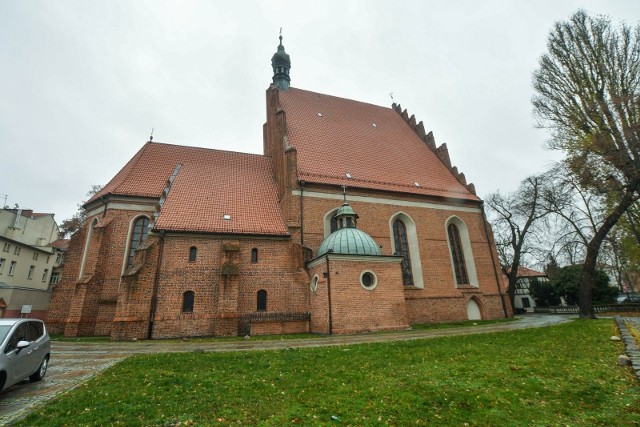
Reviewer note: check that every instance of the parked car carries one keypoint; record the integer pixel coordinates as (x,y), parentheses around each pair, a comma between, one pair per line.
(24,351)
(628,298)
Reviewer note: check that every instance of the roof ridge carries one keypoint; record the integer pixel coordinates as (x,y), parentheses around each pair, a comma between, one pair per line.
(193,147)
(383,182)
(442,152)
(339,97)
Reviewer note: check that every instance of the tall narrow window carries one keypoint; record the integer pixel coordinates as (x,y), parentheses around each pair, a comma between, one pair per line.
(45,274)
(187,302)
(139,235)
(12,268)
(402,249)
(30,272)
(262,300)
(254,255)
(193,253)
(458,255)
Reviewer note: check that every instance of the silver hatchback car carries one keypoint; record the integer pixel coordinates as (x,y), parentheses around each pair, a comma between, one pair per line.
(25,347)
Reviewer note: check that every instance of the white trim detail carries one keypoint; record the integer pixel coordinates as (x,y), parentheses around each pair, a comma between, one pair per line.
(414,246)
(375,280)
(391,202)
(469,261)
(87,243)
(326,221)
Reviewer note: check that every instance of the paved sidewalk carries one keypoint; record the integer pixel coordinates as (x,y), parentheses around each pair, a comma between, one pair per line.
(632,347)
(73,363)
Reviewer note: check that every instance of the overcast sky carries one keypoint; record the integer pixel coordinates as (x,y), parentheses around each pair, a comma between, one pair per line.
(84,82)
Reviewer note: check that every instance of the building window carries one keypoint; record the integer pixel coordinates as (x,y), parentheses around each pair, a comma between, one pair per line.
(368,280)
(457,254)
(30,272)
(262,300)
(48,258)
(6,247)
(402,249)
(139,235)
(16,251)
(526,303)
(58,258)
(44,275)
(12,268)
(55,278)
(193,254)
(187,302)
(254,255)
(2,261)
(314,283)
(35,256)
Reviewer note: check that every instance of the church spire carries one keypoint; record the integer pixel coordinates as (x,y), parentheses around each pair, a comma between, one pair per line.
(281,65)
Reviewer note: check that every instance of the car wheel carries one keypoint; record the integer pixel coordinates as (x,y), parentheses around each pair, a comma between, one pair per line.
(39,374)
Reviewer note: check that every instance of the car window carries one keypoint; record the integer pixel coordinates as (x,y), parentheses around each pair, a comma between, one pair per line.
(35,330)
(20,334)
(4,330)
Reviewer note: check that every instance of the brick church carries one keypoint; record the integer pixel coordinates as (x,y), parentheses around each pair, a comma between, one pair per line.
(352,220)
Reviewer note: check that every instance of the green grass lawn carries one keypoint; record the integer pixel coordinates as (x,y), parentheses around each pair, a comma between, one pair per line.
(554,376)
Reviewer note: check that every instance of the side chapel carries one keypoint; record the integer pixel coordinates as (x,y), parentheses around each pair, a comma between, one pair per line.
(352,220)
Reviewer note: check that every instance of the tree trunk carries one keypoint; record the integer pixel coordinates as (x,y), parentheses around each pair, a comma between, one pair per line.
(589,269)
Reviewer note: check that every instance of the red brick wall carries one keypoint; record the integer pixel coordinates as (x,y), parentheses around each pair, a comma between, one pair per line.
(352,307)
(439,282)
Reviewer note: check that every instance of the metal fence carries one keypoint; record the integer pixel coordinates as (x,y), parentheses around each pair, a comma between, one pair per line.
(600,308)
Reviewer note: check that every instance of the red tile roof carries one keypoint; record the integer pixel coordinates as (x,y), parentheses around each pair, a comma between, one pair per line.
(527,272)
(62,244)
(334,136)
(210,184)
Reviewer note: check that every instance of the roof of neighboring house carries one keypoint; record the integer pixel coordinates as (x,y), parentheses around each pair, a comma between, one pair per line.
(62,244)
(334,136)
(28,213)
(527,272)
(209,185)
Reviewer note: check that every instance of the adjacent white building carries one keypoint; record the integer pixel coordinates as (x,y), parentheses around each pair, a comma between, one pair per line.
(31,257)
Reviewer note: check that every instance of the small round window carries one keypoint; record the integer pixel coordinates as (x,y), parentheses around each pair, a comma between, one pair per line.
(368,279)
(314,283)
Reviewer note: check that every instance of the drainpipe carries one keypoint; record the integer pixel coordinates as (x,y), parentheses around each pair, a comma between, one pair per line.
(156,284)
(493,261)
(329,294)
(302,183)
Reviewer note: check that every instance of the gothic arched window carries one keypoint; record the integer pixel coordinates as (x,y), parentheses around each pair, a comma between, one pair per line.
(402,249)
(457,255)
(262,300)
(138,236)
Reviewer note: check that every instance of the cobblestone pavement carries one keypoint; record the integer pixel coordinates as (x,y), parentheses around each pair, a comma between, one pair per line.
(632,347)
(73,363)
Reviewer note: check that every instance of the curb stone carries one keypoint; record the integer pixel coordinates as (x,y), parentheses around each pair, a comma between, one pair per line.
(630,345)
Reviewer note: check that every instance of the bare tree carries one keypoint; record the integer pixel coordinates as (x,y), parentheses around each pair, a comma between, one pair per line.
(514,219)
(588,94)
(73,224)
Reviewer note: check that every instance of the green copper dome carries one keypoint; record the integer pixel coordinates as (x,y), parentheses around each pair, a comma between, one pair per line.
(281,64)
(349,241)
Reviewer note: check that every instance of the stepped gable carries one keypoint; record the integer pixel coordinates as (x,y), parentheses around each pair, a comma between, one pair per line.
(377,147)
(209,184)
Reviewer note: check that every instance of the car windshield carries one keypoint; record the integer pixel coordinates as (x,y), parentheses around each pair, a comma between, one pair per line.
(4,330)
